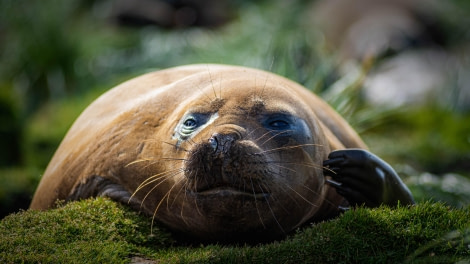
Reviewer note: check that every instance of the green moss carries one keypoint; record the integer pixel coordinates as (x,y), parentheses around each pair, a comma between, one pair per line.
(106,232)
(98,231)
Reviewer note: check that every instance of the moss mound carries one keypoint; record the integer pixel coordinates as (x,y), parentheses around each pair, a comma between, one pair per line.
(99,230)
(90,231)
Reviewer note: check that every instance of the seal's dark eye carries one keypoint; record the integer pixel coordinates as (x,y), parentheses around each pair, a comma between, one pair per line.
(189,126)
(284,127)
(279,124)
(190,123)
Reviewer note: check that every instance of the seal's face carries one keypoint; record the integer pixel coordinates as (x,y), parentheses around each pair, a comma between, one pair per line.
(238,166)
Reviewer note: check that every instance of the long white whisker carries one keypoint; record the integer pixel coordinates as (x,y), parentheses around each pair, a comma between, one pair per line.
(256,203)
(156,177)
(159,204)
(271,210)
(277,134)
(287,147)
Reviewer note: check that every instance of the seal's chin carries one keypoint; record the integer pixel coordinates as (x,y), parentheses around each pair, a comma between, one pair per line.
(230,192)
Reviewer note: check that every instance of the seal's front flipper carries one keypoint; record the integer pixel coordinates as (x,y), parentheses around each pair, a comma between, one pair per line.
(97,186)
(363,178)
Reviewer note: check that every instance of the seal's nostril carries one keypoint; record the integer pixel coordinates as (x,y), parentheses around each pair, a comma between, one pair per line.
(213,142)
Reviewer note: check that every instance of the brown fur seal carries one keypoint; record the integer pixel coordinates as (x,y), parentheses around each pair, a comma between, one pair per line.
(218,153)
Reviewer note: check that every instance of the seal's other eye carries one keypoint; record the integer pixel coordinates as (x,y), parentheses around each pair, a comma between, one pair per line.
(279,122)
(286,127)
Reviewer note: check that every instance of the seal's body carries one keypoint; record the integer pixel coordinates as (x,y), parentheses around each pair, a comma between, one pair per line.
(219,153)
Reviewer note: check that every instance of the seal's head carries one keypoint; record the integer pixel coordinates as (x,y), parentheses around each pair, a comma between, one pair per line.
(215,152)
(244,161)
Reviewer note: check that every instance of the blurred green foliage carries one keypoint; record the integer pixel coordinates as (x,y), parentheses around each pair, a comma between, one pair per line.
(57,56)
(10,130)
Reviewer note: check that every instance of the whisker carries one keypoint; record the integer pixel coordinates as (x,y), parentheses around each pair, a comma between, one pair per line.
(288,193)
(251,132)
(154,140)
(301,196)
(317,193)
(267,77)
(256,76)
(138,161)
(277,134)
(182,203)
(256,140)
(153,161)
(197,207)
(308,188)
(282,167)
(220,86)
(158,176)
(178,147)
(310,165)
(169,192)
(174,159)
(195,188)
(212,83)
(177,193)
(192,142)
(209,100)
(256,203)
(275,199)
(154,178)
(153,188)
(167,195)
(288,147)
(271,210)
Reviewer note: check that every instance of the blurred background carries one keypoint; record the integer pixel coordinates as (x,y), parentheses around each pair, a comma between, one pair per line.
(398,71)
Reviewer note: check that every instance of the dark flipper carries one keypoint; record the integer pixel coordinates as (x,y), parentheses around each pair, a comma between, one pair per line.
(363,178)
(96,186)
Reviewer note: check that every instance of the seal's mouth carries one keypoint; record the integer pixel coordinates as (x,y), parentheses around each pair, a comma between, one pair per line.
(227,192)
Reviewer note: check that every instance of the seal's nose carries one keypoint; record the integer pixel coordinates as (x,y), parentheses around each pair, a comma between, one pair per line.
(221,143)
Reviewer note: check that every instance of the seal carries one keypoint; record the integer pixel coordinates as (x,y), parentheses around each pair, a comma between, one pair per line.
(218,153)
